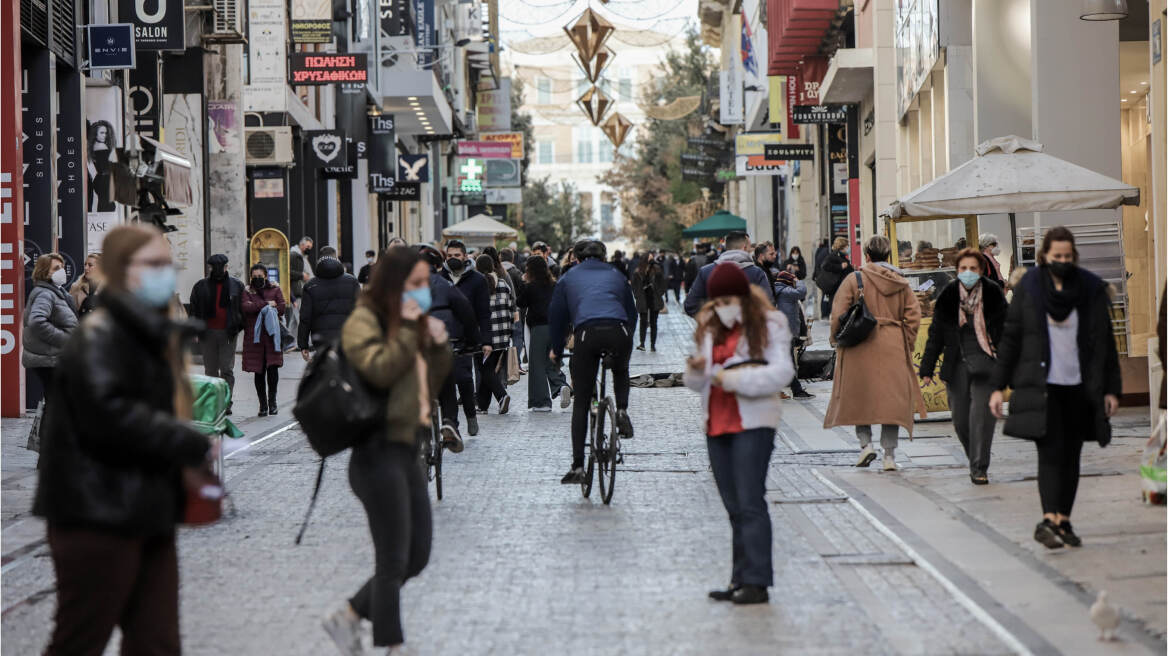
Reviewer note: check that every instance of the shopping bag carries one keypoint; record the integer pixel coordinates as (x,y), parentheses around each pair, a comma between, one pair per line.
(1153,476)
(513,374)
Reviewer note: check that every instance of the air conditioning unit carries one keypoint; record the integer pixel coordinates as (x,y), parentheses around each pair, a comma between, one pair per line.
(227,25)
(270,146)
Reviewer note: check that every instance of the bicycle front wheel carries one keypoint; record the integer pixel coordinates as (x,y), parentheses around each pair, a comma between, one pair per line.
(437,449)
(604,446)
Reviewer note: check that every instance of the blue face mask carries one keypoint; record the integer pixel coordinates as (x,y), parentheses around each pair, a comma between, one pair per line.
(156,287)
(969,278)
(421,296)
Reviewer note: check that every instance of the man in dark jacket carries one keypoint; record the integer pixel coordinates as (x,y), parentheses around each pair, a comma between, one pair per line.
(699,259)
(367,268)
(459,270)
(328,300)
(833,268)
(216,300)
(737,244)
(543,250)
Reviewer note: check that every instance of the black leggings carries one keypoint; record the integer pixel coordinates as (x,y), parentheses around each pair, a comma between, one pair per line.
(584,365)
(1060,449)
(388,480)
(273,379)
(649,320)
(459,385)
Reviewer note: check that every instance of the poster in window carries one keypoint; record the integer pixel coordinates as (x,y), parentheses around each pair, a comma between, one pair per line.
(103,117)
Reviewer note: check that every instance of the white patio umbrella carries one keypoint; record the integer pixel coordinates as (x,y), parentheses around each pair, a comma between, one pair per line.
(1011,174)
(480,227)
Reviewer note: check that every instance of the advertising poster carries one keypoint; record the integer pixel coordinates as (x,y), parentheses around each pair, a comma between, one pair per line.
(224,129)
(267,57)
(143,96)
(184,133)
(494,107)
(103,115)
(158,24)
(382,154)
(39,196)
(70,171)
(312,21)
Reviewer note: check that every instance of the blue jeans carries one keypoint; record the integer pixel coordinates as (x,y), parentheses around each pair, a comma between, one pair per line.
(740,463)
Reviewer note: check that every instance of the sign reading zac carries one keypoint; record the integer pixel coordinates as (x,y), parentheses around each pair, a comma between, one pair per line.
(789,151)
(327,68)
(809,114)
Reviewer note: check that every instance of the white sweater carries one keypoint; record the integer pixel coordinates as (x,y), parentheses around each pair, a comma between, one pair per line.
(757,388)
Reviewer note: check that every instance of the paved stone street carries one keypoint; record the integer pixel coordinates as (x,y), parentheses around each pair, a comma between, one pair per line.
(523,565)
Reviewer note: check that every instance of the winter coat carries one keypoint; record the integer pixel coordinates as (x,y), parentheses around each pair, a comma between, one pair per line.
(1024,357)
(391,365)
(328,299)
(789,300)
(449,306)
(536,297)
(874,381)
(592,291)
(696,297)
(49,318)
(264,353)
(203,302)
(693,267)
(502,314)
(945,335)
(800,266)
(112,449)
(473,286)
(676,274)
(832,271)
(297,267)
(656,282)
(756,388)
(84,293)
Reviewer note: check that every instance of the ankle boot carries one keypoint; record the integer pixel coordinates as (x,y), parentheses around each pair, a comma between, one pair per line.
(272,405)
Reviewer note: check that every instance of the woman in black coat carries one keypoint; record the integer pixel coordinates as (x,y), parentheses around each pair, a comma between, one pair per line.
(967,325)
(796,264)
(1058,355)
(648,282)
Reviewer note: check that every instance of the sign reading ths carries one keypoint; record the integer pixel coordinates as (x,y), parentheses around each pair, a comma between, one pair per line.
(789,151)
(381,153)
(809,114)
(158,24)
(111,46)
(327,68)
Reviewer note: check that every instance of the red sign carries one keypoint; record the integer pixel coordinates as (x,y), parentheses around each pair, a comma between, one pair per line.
(792,130)
(327,68)
(485,149)
(811,73)
(11,218)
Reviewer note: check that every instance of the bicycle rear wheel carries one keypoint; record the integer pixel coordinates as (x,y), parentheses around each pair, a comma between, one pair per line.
(605,445)
(590,468)
(436,447)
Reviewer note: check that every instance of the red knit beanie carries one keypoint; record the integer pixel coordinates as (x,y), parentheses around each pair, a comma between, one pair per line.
(727,279)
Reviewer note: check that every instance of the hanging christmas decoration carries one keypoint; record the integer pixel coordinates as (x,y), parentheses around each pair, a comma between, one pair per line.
(595,67)
(616,128)
(588,33)
(595,103)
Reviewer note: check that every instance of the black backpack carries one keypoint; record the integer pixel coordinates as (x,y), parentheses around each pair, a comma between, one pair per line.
(858,322)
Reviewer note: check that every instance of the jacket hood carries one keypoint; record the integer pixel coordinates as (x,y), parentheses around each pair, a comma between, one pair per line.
(329,267)
(741,258)
(886,281)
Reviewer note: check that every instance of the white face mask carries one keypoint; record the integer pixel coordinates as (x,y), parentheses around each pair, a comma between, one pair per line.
(58,277)
(995,251)
(729,315)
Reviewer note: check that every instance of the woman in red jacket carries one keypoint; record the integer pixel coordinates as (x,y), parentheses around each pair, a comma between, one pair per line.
(261,355)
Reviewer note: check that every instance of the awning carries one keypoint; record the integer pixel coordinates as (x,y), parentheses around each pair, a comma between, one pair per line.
(1012,174)
(480,225)
(795,29)
(719,224)
(175,171)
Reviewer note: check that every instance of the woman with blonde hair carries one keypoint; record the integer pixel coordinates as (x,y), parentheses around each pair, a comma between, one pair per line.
(743,362)
(84,290)
(115,452)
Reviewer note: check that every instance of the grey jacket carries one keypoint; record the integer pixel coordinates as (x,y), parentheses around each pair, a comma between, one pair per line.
(49,318)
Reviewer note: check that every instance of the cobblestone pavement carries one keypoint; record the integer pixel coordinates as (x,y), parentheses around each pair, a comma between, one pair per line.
(522,565)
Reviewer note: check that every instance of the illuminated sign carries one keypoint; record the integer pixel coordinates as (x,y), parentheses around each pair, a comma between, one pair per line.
(327,68)
(471,175)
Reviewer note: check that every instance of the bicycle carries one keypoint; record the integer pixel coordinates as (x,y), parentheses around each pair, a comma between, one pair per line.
(604,448)
(432,450)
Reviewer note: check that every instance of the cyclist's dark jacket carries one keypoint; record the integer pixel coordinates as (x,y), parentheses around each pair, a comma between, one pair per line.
(593,291)
(451,307)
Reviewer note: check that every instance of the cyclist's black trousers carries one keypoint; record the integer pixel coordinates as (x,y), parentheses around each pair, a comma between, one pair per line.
(459,383)
(591,341)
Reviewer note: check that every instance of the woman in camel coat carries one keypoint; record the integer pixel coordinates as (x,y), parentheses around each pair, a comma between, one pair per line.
(874,381)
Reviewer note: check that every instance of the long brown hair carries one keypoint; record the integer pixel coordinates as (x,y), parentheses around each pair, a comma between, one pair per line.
(386,285)
(1057,233)
(755,307)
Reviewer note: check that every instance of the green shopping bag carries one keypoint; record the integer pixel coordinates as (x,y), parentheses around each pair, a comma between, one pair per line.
(209,413)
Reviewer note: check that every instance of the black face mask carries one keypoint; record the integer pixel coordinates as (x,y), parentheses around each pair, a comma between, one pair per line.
(455,265)
(258,282)
(1062,269)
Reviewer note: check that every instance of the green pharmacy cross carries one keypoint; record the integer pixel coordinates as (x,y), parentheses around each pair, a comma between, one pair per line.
(471,169)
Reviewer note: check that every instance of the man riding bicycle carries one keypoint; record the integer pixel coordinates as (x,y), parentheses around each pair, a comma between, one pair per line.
(596,300)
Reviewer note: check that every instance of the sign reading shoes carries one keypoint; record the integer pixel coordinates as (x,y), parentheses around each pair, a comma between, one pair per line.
(807,114)
(413,168)
(789,151)
(328,147)
(158,24)
(327,68)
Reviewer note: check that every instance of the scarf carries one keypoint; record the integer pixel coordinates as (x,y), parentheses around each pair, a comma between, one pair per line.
(1060,303)
(971,307)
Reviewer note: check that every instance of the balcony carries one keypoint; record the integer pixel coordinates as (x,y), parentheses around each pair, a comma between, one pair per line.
(848,78)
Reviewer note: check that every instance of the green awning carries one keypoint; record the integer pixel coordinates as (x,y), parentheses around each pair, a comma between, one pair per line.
(719,224)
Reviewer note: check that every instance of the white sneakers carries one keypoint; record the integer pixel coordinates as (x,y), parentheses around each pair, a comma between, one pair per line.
(867,455)
(344,627)
(889,463)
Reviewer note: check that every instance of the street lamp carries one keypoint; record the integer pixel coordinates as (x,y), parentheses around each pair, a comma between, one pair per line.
(1104,10)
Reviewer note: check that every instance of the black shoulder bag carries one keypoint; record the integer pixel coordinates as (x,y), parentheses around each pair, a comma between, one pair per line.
(858,322)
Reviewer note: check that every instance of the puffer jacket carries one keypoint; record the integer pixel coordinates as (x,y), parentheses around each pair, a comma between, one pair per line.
(326,301)
(112,449)
(49,318)
(789,300)
(696,296)
(756,388)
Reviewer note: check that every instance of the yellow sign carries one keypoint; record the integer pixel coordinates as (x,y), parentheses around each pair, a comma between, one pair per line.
(513,138)
(936,398)
(754,143)
(777,98)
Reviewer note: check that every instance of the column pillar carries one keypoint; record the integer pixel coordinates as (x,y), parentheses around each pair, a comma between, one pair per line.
(226,175)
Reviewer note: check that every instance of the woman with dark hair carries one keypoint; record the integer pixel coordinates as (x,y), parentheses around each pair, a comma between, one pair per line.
(502,324)
(49,318)
(796,264)
(648,284)
(116,450)
(1058,355)
(545,378)
(402,353)
(102,143)
(262,354)
(742,362)
(967,324)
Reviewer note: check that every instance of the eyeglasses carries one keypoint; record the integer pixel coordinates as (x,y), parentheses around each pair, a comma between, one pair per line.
(153,263)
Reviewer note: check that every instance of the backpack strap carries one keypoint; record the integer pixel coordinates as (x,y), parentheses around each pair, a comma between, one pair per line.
(312,502)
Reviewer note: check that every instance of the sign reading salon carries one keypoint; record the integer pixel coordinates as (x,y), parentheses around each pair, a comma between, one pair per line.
(158,24)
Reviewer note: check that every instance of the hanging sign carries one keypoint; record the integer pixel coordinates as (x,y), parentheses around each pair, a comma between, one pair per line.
(513,138)
(158,24)
(811,114)
(395,17)
(469,175)
(484,149)
(327,68)
(469,198)
(381,152)
(403,191)
(111,47)
(789,151)
(266,90)
(143,96)
(312,21)
(754,143)
(502,173)
(346,170)
(413,168)
(509,196)
(327,148)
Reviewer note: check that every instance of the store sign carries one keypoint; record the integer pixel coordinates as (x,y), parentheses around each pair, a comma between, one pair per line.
(493,109)
(158,24)
(789,151)
(792,130)
(504,196)
(503,173)
(776,99)
(403,191)
(381,153)
(513,138)
(813,114)
(327,68)
(469,175)
(111,47)
(424,31)
(70,169)
(730,95)
(484,149)
(39,194)
(1157,51)
(472,198)
(143,96)
(312,21)
(413,168)
(758,165)
(326,148)
(811,72)
(395,17)
(754,143)
(267,61)
(346,170)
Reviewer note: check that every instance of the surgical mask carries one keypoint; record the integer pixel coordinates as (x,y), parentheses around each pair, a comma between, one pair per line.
(156,286)
(729,315)
(455,265)
(369,260)
(969,278)
(59,278)
(421,296)
(995,251)
(1062,269)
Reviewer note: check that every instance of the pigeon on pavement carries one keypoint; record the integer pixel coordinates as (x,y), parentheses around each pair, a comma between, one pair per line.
(1105,616)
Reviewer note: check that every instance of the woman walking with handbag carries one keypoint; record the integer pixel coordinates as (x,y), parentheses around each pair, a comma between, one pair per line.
(743,361)
(874,382)
(967,323)
(502,324)
(1058,355)
(545,378)
(116,451)
(261,355)
(402,352)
